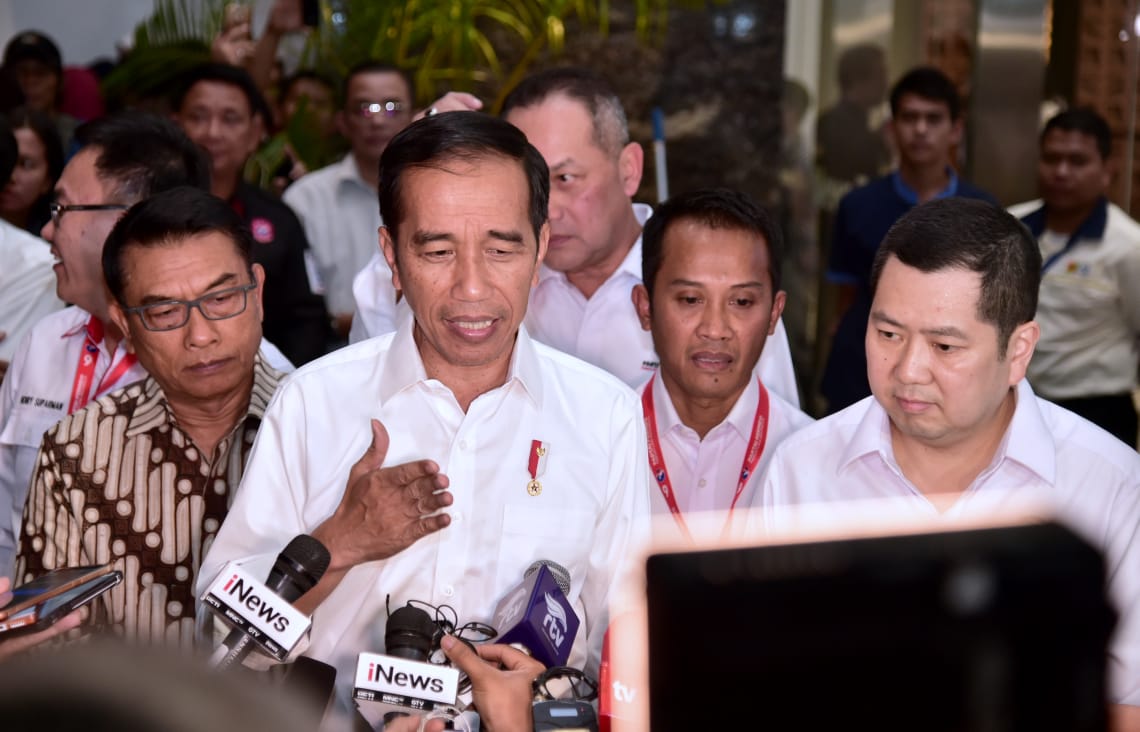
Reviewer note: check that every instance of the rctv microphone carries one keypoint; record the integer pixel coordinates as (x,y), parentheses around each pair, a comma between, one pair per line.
(402,681)
(536,616)
(261,613)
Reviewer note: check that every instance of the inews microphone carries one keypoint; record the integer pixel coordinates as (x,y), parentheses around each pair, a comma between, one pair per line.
(297,570)
(401,681)
(536,615)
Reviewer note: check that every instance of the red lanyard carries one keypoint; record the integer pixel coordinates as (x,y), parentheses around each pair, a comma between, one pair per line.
(752,453)
(81,392)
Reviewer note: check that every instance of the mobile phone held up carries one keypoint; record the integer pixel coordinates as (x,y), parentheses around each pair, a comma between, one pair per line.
(47,599)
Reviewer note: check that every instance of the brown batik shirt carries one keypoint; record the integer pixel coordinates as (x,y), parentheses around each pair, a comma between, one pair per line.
(119,482)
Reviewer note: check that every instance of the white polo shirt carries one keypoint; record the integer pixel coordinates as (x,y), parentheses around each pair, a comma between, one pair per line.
(1048,454)
(705,473)
(592,504)
(341,216)
(27,285)
(37,393)
(1088,309)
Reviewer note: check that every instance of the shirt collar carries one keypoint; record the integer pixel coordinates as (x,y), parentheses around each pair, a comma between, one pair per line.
(1027,439)
(1091,228)
(83,320)
(403,367)
(154,411)
(908,194)
(740,417)
(349,172)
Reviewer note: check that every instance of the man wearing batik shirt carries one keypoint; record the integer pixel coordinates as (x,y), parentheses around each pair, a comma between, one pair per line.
(144,476)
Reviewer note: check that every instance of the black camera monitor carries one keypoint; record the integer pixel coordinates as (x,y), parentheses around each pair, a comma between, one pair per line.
(990,629)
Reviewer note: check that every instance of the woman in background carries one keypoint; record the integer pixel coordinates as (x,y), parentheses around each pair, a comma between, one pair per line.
(24,201)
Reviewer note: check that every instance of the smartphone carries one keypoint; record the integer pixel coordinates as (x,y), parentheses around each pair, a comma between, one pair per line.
(45,600)
(310,13)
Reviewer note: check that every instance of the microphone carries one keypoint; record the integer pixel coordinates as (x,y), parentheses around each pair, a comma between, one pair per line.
(402,681)
(298,568)
(537,616)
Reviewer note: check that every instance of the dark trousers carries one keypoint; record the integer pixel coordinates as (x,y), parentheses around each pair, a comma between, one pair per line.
(1115,413)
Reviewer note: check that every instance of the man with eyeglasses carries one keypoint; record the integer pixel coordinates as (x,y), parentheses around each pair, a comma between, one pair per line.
(77,354)
(337,204)
(143,477)
(222,111)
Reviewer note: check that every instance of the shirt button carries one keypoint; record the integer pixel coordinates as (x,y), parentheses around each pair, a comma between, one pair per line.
(457,516)
(463,444)
(702,483)
(448,590)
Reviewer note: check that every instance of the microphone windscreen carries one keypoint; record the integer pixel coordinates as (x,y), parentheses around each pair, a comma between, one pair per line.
(409,633)
(561,574)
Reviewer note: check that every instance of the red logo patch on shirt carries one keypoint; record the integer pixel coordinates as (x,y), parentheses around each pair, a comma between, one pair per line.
(262,230)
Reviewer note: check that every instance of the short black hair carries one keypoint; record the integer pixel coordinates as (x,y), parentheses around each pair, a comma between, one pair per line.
(377,67)
(225,74)
(1086,121)
(716,208)
(168,218)
(44,128)
(611,129)
(9,152)
(436,141)
(142,154)
(930,84)
(977,236)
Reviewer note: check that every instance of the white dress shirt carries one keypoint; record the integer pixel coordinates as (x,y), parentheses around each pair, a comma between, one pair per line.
(1050,455)
(705,473)
(37,393)
(27,285)
(341,216)
(592,504)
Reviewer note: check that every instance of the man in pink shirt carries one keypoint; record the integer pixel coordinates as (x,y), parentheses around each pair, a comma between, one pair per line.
(952,428)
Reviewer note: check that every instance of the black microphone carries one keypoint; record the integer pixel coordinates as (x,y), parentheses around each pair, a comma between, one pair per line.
(536,615)
(409,633)
(298,568)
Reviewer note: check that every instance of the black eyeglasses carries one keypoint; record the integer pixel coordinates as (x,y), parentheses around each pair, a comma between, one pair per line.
(57,210)
(173,314)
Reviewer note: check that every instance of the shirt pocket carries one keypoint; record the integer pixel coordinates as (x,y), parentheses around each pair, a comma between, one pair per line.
(26,426)
(532,533)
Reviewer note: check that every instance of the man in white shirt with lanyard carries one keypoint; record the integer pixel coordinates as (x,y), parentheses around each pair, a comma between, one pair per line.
(438,462)
(952,428)
(711,298)
(75,355)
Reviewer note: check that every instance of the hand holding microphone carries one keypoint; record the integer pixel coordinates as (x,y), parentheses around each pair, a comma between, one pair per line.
(502,681)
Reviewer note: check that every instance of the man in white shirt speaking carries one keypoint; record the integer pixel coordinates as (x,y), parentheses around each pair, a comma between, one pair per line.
(438,462)
(711,298)
(952,428)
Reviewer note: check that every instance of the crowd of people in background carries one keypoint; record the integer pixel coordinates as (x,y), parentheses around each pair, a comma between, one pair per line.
(501,357)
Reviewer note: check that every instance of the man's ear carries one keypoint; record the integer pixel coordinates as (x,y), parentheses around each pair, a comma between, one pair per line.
(778,304)
(259,293)
(119,318)
(640,297)
(1019,349)
(388,249)
(631,162)
(540,257)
